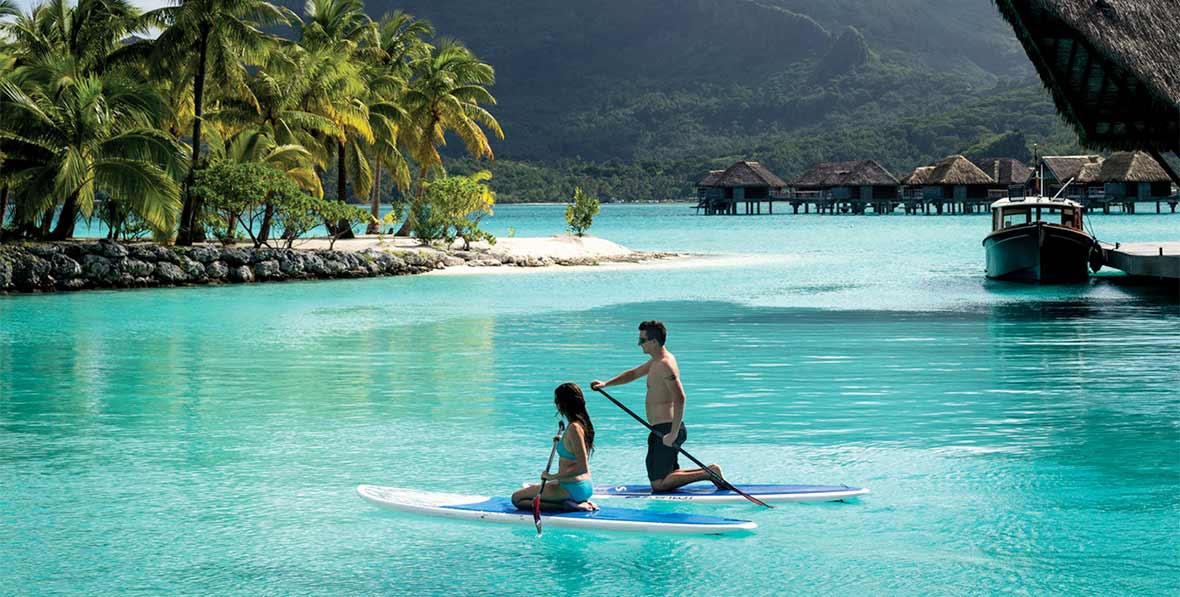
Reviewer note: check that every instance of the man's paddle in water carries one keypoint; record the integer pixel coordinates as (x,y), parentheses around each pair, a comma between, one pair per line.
(665,415)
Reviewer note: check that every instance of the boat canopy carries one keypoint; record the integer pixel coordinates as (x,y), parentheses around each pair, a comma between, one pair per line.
(1037,201)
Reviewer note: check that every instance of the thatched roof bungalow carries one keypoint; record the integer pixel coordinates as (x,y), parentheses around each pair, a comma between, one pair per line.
(1011,176)
(1133,176)
(1110,66)
(862,180)
(953,179)
(1081,169)
(720,191)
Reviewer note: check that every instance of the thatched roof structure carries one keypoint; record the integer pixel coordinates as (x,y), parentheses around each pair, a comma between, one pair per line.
(748,174)
(710,179)
(955,170)
(1111,66)
(1131,166)
(846,174)
(1006,171)
(1065,167)
(920,176)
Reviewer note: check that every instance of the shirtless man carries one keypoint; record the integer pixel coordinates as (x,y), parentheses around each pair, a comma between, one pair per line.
(665,410)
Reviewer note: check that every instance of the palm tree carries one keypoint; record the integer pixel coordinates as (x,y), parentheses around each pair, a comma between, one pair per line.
(54,46)
(401,43)
(342,28)
(203,38)
(445,96)
(84,134)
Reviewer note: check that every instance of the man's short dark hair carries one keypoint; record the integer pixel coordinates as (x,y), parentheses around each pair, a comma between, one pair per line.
(655,330)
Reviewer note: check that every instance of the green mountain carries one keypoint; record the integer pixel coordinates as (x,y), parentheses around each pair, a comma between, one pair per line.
(635,99)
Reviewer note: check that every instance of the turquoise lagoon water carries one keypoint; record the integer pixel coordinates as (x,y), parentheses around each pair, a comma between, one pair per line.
(208,440)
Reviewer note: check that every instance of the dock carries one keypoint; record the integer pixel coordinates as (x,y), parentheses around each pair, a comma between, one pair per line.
(1160,260)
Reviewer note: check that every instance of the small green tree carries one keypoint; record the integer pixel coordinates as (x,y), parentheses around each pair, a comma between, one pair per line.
(261,199)
(453,208)
(580,212)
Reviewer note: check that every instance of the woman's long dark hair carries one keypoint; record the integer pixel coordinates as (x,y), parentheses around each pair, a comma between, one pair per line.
(572,405)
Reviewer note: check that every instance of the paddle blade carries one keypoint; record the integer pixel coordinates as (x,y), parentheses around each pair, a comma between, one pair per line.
(537,513)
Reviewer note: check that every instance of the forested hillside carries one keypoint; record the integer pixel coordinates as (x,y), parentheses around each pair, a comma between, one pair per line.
(636,98)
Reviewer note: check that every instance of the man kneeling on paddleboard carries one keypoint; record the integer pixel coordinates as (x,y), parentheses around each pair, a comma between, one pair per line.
(571,488)
(665,411)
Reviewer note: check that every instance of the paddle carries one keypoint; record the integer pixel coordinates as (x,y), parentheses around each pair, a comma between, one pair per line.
(722,482)
(537,499)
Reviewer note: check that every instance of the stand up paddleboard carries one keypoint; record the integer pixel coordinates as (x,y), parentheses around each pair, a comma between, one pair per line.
(501,510)
(709,494)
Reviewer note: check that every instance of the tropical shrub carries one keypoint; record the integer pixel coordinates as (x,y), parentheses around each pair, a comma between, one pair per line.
(262,201)
(454,207)
(580,212)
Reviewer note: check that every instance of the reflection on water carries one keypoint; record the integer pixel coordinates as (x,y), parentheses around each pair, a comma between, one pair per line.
(207,440)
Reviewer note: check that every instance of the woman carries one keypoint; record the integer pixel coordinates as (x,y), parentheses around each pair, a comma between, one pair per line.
(569,488)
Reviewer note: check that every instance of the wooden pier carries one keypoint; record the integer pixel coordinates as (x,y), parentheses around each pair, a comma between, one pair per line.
(1159,260)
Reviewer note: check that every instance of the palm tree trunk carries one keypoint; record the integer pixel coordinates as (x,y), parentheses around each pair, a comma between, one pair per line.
(264,228)
(342,229)
(375,200)
(67,219)
(188,213)
(405,229)
(46,221)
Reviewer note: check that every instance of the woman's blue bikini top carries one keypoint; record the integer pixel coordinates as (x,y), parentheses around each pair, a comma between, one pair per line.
(564,453)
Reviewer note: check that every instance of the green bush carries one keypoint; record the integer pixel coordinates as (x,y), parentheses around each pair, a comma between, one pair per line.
(580,212)
(452,208)
(264,202)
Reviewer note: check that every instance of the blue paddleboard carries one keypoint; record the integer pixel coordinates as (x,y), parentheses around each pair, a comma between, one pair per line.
(501,510)
(708,493)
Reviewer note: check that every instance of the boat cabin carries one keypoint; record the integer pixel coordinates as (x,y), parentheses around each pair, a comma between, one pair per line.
(1007,213)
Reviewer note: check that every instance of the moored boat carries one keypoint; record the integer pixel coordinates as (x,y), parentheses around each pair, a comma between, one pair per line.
(1038,239)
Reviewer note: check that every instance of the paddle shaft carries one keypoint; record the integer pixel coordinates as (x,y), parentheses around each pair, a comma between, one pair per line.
(724,484)
(537,499)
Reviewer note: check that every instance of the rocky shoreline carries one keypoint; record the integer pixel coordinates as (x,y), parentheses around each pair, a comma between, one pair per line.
(49,267)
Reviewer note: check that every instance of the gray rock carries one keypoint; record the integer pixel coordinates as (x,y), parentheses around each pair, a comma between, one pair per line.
(65,268)
(204,254)
(96,267)
(5,273)
(452,261)
(32,273)
(170,272)
(266,270)
(195,270)
(261,254)
(291,263)
(235,257)
(148,252)
(136,267)
(313,265)
(241,273)
(112,249)
(44,251)
(489,261)
(216,270)
(74,284)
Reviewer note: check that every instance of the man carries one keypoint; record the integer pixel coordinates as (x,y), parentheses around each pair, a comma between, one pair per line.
(665,410)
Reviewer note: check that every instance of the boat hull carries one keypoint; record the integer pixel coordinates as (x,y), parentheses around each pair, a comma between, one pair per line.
(1038,252)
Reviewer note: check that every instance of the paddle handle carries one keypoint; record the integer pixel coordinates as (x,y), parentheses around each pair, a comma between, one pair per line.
(725,484)
(537,498)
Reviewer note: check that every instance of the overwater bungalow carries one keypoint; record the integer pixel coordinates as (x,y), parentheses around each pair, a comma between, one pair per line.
(1080,171)
(952,183)
(751,183)
(1130,176)
(848,186)
(1011,176)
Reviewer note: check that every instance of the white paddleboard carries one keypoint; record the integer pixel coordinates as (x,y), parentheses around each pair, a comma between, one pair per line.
(709,494)
(500,510)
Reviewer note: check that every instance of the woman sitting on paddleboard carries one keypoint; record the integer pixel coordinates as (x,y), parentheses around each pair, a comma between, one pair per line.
(569,488)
